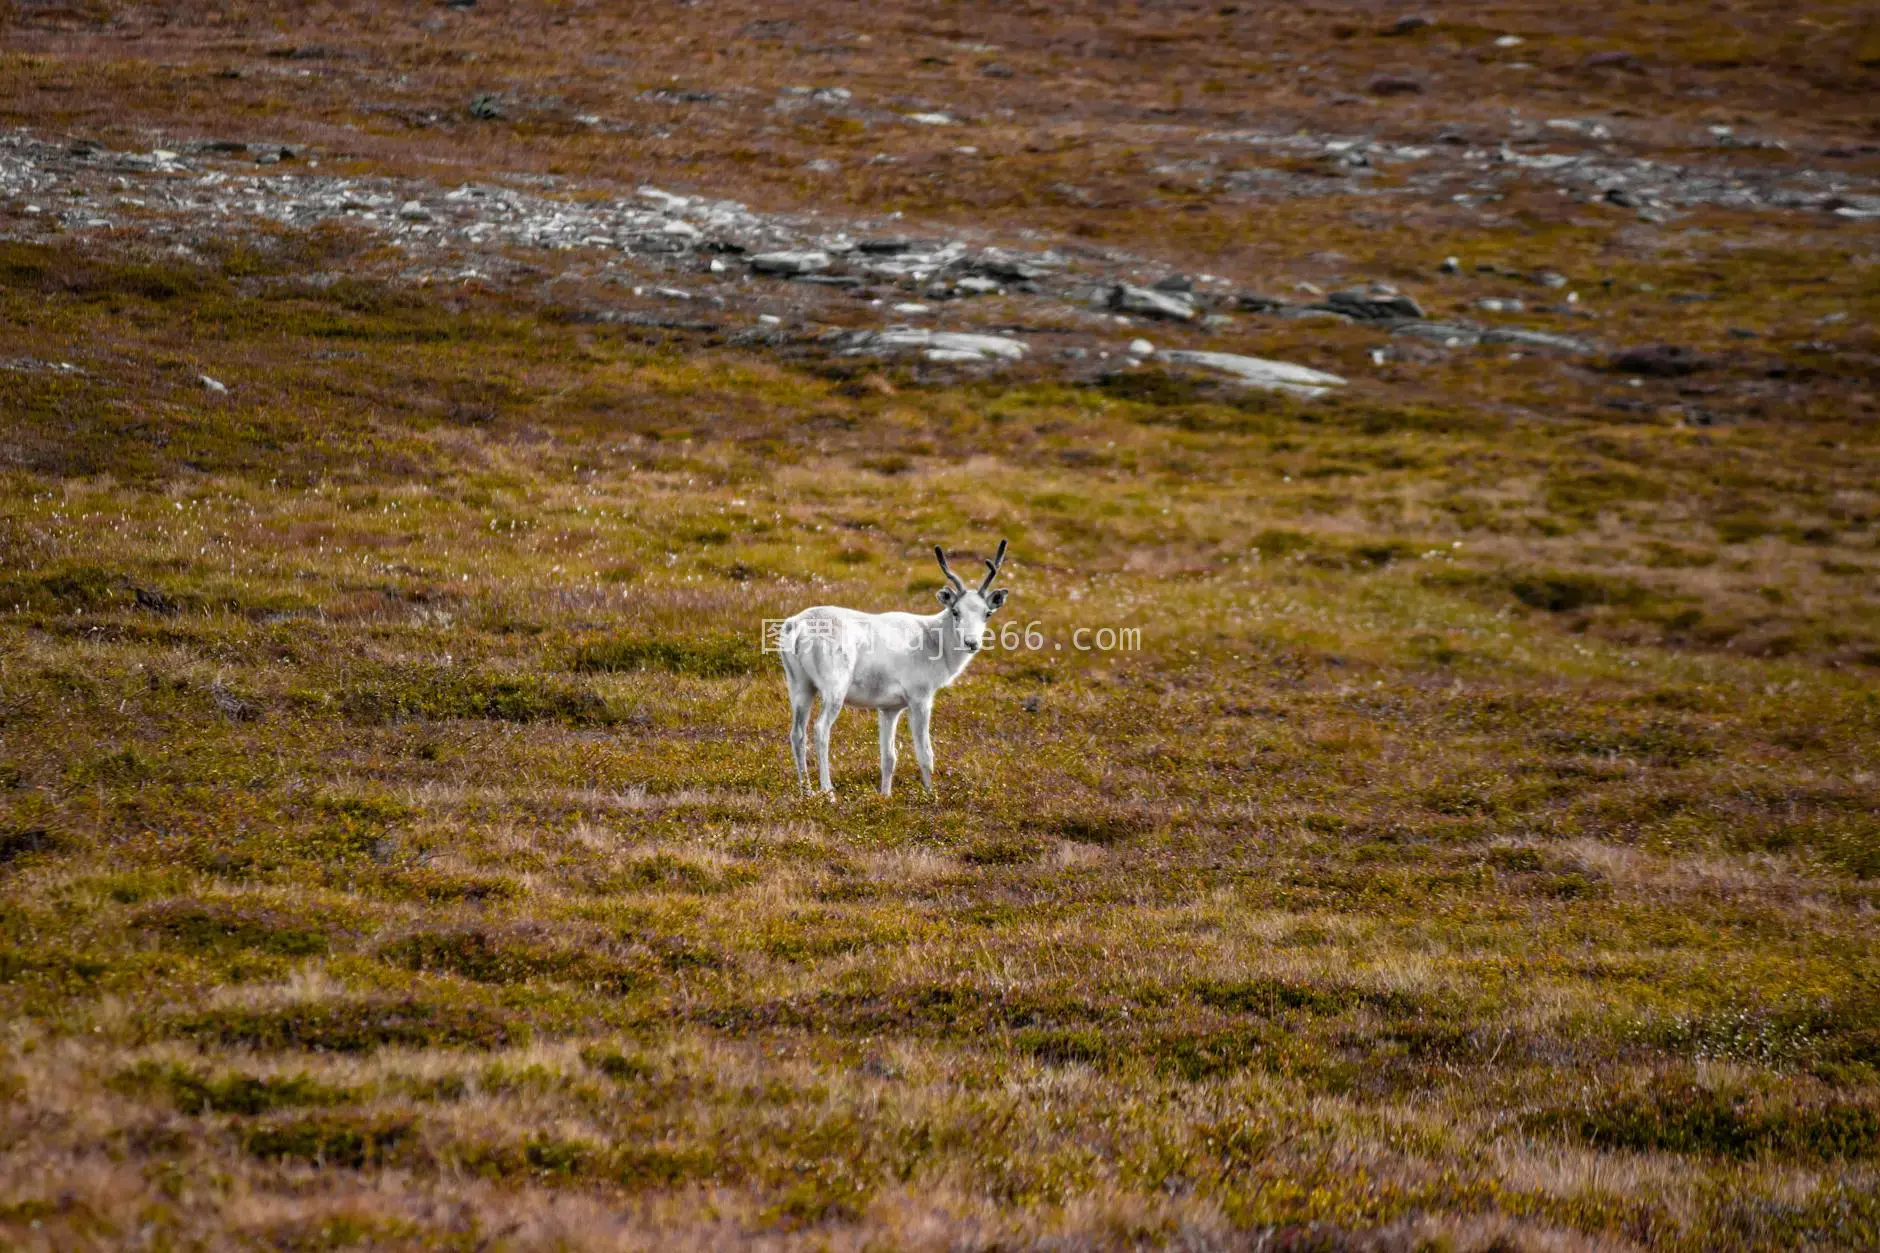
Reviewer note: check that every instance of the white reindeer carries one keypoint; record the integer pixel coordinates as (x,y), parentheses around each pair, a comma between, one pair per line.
(888,662)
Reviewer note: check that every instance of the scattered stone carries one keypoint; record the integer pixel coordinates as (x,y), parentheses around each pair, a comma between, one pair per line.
(213,385)
(1611,61)
(790,262)
(1312,311)
(1535,339)
(1510,41)
(975,286)
(911,309)
(1658,361)
(769,319)
(930,119)
(1180,284)
(1253,302)
(233,707)
(996,70)
(831,95)
(1141,348)
(1127,298)
(1280,376)
(829,280)
(1449,334)
(1499,304)
(413,211)
(1009,269)
(487,107)
(1621,197)
(1394,85)
(888,246)
(1550,278)
(945,345)
(1373,305)
(1406,25)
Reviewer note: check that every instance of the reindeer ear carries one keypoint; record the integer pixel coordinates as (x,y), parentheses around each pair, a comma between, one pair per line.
(996,599)
(947,596)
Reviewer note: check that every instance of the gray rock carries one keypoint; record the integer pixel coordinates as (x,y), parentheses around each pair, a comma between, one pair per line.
(973,285)
(1468,334)
(947,345)
(1312,311)
(1009,269)
(790,262)
(1373,306)
(1535,339)
(1659,361)
(1452,334)
(1126,298)
(1279,376)
(1180,284)
(1253,302)
(886,246)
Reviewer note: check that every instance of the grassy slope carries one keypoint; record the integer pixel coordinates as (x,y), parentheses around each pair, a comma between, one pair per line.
(1482,841)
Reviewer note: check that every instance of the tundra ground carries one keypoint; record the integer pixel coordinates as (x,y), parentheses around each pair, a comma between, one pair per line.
(1477,847)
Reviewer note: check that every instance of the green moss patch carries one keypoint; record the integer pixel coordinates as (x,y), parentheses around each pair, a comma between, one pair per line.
(351,1026)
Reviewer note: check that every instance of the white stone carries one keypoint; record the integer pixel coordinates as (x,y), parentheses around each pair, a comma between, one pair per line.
(1156,304)
(790,262)
(1141,348)
(1279,376)
(972,347)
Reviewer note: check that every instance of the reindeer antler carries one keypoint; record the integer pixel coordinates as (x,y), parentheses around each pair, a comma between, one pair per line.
(947,570)
(992,567)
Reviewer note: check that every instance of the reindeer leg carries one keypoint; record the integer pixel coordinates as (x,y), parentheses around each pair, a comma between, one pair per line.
(802,697)
(825,722)
(919,712)
(889,721)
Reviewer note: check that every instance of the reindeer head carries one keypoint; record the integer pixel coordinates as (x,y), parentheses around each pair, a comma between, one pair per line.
(967,609)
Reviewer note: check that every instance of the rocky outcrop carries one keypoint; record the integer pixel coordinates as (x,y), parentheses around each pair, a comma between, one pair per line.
(1278,376)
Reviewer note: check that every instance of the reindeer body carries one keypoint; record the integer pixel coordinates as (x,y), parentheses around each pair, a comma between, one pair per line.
(892,663)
